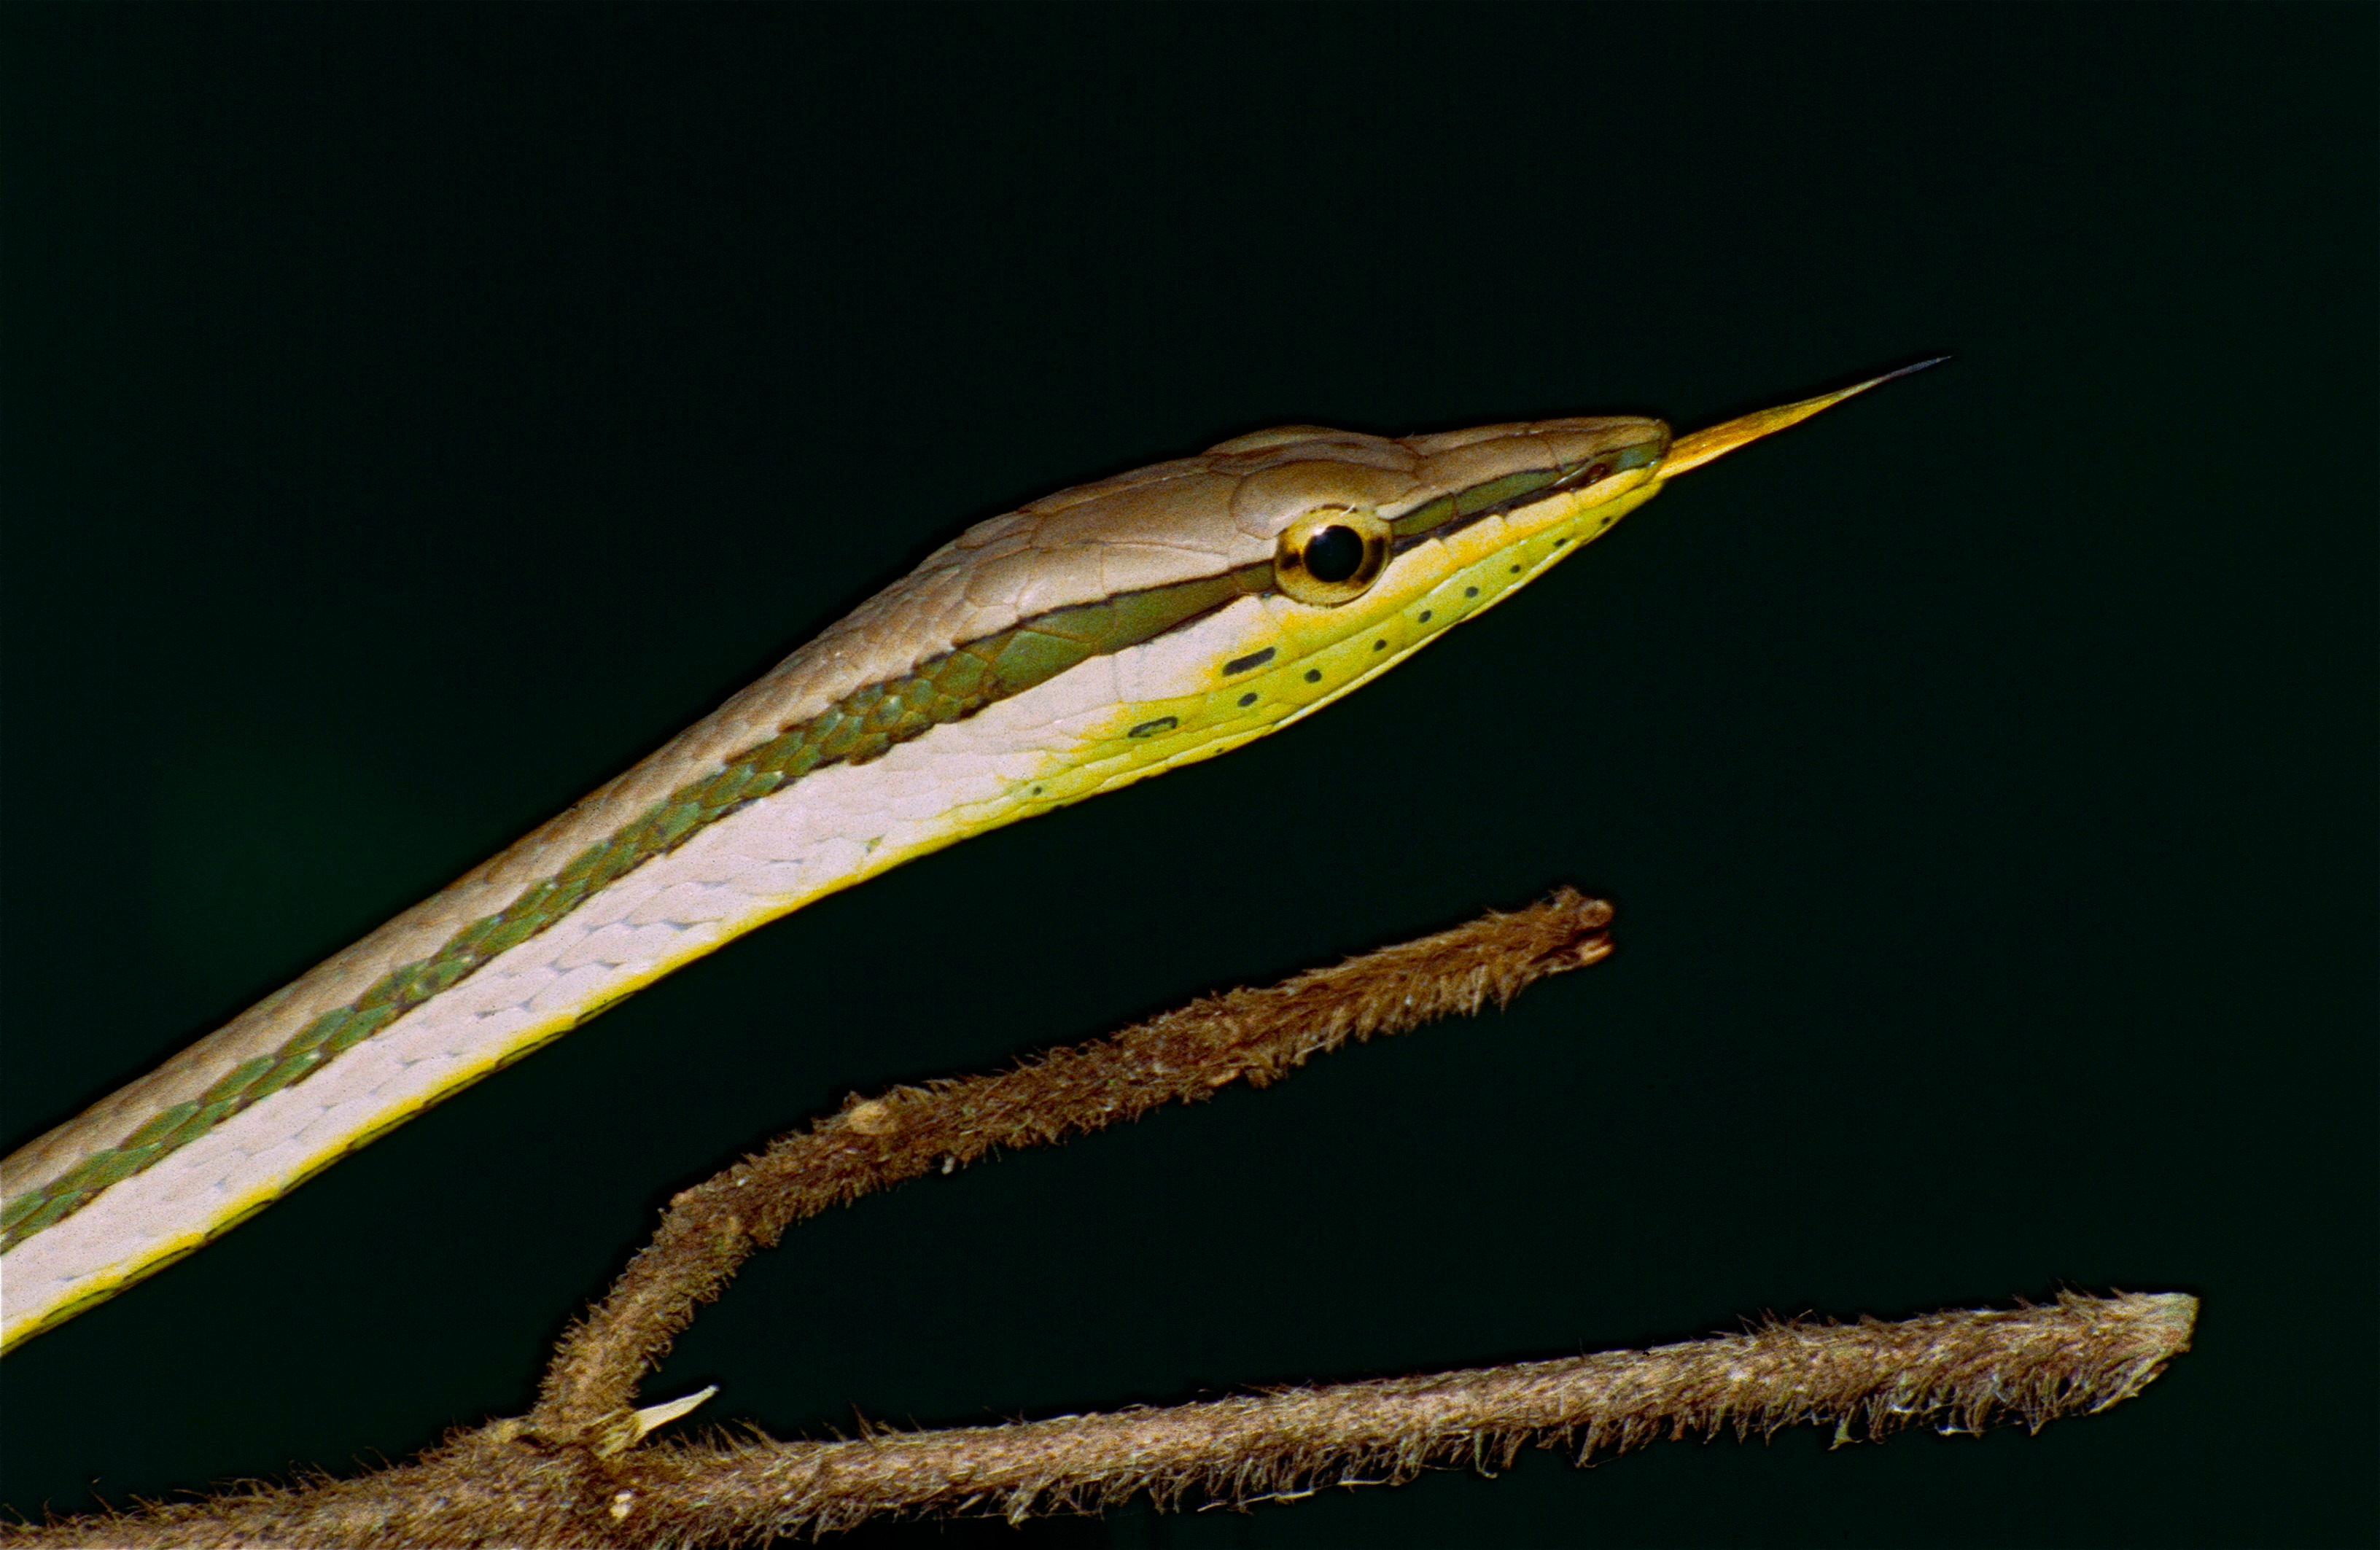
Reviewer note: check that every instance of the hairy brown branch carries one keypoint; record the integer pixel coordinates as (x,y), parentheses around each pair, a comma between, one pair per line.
(572,1473)
(1183,1056)
(1953,1370)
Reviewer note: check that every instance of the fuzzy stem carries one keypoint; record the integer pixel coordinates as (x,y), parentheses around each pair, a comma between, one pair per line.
(572,1473)
(1952,1371)
(1183,1056)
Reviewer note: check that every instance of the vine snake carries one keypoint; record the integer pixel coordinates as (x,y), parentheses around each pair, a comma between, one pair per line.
(1107,633)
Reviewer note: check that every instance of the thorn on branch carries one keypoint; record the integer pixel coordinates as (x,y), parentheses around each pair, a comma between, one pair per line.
(1183,1056)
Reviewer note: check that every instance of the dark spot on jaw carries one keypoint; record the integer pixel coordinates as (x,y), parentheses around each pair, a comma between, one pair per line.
(1314,675)
(1471,591)
(1242,664)
(1605,523)
(1516,570)
(1558,542)
(1380,645)
(1247,700)
(1150,729)
(1424,616)
(1037,791)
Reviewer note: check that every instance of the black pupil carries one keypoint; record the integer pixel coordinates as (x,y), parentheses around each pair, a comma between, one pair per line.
(1334,554)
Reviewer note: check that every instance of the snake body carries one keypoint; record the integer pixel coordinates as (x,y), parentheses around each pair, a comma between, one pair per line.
(1101,635)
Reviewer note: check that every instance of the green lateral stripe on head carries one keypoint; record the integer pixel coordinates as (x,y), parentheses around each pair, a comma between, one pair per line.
(864,725)
(1511,491)
(1459,507)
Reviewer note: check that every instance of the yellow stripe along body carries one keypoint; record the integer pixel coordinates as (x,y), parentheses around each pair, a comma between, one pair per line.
(1195,690)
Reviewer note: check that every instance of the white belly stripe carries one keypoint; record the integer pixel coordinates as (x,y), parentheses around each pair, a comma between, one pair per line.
(1052,745)
(828,830)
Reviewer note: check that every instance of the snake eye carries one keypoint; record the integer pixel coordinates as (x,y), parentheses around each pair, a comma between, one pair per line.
(1331,555)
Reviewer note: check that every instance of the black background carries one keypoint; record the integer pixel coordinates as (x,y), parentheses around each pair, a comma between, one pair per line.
(414,415)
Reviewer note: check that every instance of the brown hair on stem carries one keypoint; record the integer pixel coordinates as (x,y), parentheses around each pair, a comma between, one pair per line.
(499,1485)
(1182,1056)
(571,1473)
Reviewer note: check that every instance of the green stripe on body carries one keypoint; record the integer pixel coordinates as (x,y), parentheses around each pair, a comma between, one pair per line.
(862,726)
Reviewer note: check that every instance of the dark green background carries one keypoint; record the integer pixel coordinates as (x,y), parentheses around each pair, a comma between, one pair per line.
(414,415)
